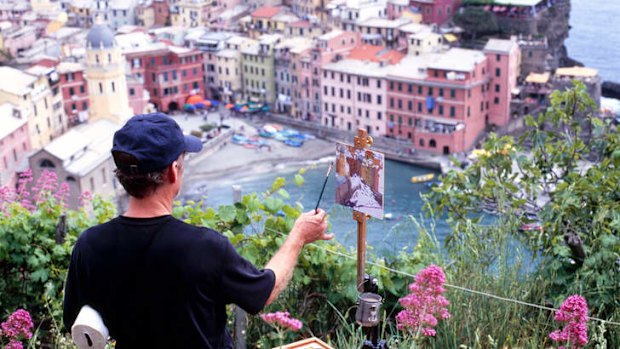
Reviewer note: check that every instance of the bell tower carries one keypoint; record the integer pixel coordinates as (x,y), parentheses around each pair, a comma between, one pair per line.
(105,72)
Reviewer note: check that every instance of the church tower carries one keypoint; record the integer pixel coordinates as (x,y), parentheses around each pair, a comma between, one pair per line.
(105,72)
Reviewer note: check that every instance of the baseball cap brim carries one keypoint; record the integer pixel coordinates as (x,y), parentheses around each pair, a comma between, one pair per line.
(192,144)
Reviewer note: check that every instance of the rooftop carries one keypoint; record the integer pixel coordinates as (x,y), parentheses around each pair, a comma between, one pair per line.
(331,35)
(69,67)
(269,38)
(375,54)
(458,59)
(357,67)
(517,2)
(500,46)
(296,44)
(15,81)
(84,147)
(535,78)
(577,72)
(266,12)
(9,122)
(384,22)
(100,36)
(413,28)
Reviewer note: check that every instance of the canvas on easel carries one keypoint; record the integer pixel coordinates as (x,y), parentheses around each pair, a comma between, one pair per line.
(360,179)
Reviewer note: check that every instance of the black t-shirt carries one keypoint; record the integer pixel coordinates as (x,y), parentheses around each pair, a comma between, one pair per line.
(161,283)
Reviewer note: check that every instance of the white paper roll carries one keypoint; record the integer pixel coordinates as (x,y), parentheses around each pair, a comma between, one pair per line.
(88,330)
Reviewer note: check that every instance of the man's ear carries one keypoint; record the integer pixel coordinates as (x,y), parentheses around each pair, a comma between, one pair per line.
(173,172)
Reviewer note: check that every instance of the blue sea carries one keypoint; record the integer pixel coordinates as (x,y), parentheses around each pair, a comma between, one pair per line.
(594,38)
(593,41)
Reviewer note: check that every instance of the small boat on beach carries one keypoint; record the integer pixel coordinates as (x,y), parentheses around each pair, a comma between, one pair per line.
(423,178)
(293,143)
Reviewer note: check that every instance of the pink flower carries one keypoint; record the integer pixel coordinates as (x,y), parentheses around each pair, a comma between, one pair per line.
(573,312)
(14,344)
(282,319)
(425,305)
(19,325)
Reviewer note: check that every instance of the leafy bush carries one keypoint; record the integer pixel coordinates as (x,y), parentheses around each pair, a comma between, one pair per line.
(37,234)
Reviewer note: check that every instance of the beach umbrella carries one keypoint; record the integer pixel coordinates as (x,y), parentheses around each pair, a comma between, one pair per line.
(214,102)
(189,108)
(194,99)
(244,109)
(230,106)
(200,105)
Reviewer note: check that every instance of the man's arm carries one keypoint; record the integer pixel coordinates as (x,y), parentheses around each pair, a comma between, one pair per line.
(309,227)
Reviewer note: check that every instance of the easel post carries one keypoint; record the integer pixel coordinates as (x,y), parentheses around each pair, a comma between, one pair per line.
(361,141)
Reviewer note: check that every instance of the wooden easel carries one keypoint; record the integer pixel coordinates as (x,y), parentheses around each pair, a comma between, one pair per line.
(361,141)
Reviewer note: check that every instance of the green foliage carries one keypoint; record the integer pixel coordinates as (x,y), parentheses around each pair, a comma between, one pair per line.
(33,264)
(563,172)
(477,22)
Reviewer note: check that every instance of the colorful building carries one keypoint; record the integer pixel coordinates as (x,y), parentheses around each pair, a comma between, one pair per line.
(504,57)
(436,11)
(291,86)
(14,143)
(171,74)
(270,20)
(329,47)
(354,92)
(36,94)
(74,88)
(259,70)
(228,67)
(105,73)
(443,102)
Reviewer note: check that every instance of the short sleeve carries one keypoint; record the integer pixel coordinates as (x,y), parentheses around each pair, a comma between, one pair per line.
(243,284)
(73,299)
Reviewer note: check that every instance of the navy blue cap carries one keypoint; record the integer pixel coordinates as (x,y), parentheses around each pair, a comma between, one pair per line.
(155,140)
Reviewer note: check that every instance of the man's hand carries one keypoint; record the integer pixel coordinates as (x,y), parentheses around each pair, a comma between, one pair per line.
(310,227)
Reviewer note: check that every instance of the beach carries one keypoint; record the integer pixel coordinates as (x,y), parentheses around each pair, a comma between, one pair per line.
(232,161)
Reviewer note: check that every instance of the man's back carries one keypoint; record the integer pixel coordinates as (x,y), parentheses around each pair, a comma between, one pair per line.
(159,282)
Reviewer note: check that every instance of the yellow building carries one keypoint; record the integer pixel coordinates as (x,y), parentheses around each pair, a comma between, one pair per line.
(194,13)
(270,20)
(105,72)
(145,15)
(228,67)
(44,7)
(37,95)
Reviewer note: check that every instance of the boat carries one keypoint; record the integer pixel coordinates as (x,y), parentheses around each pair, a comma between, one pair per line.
(293,143)
(423,178)
(388,216)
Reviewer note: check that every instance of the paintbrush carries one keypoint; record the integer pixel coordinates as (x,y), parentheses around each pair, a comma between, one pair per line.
(329,169)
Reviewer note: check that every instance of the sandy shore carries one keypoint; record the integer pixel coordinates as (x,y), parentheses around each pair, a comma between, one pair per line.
(235,161)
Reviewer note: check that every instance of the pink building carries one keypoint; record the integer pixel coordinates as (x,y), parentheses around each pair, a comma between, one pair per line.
(329,47)
(138,96)
(354,91)
(74,88)
(162,12)
(14,143)
(171,74)
(17,39)
(443,102)
(436,11)
(504,58)
(395,8)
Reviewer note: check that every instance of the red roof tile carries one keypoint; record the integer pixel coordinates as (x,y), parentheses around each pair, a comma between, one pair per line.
(266,12)
(376,54)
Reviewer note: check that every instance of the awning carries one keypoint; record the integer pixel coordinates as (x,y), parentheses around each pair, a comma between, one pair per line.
(535,78)
(450,38)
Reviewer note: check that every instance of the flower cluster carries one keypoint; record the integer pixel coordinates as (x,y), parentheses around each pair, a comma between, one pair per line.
(425,305)
(16,328)
(29,196)
(573,312)
(282,319)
